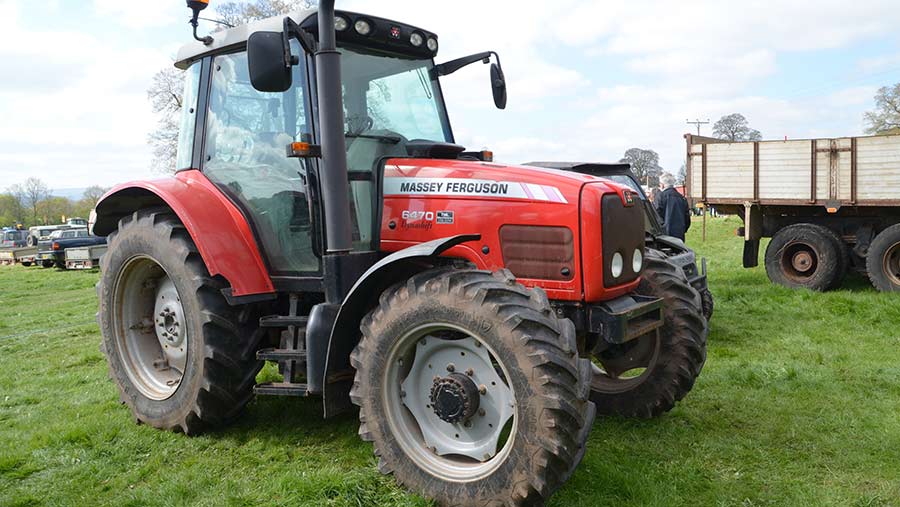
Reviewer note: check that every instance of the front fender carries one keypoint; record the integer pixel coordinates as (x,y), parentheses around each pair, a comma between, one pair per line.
(219,230)
(363,297)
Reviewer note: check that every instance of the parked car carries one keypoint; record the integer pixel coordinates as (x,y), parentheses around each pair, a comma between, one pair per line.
(13,238)
(56,255)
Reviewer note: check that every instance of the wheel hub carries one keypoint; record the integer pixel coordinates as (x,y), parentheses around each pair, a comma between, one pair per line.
(802,261)
(455,398)
(461,414)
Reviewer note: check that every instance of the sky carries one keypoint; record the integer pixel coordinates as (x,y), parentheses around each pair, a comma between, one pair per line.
(586,80)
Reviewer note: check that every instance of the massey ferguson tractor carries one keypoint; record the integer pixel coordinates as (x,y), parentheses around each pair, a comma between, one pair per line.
(323,218)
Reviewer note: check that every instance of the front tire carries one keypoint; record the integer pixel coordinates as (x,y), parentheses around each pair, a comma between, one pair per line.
(419,348)
(646,377)
(174,346)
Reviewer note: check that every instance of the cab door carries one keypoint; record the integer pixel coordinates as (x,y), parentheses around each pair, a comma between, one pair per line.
(247,133)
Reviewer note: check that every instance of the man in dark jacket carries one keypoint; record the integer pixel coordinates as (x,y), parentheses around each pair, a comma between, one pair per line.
(672,208)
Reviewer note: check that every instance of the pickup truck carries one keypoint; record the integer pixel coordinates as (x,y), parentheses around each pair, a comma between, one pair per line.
(53,251)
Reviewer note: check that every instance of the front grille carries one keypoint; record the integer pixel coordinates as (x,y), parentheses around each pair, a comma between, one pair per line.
(538,252)
(623,232)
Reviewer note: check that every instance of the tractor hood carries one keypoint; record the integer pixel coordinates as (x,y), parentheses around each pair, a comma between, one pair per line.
(476,179)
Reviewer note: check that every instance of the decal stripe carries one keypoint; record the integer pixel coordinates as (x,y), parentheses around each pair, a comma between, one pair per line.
(537,191)
(527,191)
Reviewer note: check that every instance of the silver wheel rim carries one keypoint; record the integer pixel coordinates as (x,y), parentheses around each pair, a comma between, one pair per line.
(891,264)
(150,327)
(464,451)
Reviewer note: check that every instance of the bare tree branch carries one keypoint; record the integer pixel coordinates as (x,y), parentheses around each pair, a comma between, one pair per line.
(645,164)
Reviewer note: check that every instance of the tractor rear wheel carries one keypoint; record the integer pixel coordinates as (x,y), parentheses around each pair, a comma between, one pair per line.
(471,389)
(645,377)
(883,260)
(176,349)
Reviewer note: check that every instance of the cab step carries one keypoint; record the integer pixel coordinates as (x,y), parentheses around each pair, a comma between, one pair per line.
(280,389)
(278,355)
(283,321)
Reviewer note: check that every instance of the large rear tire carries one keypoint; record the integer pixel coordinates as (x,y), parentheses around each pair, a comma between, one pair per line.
(647,376)
(181,357)
(883,260)
(510,438)
(806,256)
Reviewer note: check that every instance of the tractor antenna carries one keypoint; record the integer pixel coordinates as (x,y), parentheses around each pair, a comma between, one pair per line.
(218,22)
(197,6)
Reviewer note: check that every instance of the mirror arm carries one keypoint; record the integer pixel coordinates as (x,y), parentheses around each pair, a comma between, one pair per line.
(452,66)
(205,40)
(307,41)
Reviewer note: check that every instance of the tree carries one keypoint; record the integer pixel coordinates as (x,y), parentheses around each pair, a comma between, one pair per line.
(165,96)
(34,191)
(167,89)
(885,119)
(734,127)
(11,210)
(681,176)
(645,164)
(93,193)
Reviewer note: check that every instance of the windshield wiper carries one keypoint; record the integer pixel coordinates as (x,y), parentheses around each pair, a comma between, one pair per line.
(384,139)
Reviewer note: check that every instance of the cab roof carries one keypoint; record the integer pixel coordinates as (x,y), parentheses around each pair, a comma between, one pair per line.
(193,51)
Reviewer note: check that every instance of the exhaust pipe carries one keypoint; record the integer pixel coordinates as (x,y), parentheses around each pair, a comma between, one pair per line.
(335,183)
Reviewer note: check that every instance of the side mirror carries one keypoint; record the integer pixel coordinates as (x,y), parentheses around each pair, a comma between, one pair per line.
(269,58)
(498,86)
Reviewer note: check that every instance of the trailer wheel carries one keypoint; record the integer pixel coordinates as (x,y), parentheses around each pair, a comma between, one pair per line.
(805,256)
(181,357)
(26,263)
(883,260)
(46,264)
(471,389)
(647,376)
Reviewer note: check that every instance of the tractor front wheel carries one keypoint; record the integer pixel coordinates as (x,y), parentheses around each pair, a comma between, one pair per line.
(471,389)
(179,354)
(646,376)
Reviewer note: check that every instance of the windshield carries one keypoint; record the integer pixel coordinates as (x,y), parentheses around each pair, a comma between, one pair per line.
(389,101)
(624,179)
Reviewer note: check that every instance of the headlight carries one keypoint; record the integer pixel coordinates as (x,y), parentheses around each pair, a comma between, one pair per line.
(617,265)
(363,27)
(416,39)
(637,262)
(341,23)
(432,44)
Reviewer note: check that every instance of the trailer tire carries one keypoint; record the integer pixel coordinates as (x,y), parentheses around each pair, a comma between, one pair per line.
(46,264)
(883,260)
(26,263)
(677,357)
(536,359)
(150,250)
(806,256)
(31,241)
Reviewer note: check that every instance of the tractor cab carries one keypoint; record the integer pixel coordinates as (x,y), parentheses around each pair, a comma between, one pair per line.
(246,113)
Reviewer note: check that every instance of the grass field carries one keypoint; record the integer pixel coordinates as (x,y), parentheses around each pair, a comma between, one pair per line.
(799,404)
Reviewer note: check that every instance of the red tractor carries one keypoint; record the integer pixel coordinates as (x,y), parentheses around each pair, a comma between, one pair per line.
(322,218)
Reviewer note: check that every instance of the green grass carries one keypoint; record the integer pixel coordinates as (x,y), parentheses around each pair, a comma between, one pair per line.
(799,404)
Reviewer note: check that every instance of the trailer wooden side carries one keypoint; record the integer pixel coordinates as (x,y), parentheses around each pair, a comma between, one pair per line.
(846,171)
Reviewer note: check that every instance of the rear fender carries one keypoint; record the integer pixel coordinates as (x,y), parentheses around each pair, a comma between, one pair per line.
(216,225)
(363,297)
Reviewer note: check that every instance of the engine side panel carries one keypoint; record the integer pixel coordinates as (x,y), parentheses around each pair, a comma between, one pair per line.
(217,226)
(429,199)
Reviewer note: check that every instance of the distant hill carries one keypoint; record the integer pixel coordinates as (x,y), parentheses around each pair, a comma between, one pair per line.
(69,193)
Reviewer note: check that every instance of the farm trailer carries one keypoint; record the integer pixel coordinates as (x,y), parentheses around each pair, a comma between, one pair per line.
(84,257)
(829,205)
(22,255)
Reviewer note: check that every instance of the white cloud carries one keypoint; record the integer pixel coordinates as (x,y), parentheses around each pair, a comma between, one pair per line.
(137,15)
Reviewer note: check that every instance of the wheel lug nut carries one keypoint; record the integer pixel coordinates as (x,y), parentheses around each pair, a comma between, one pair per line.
(481,412)
(482,389)
(467,424)
(470,372)
(451,367)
